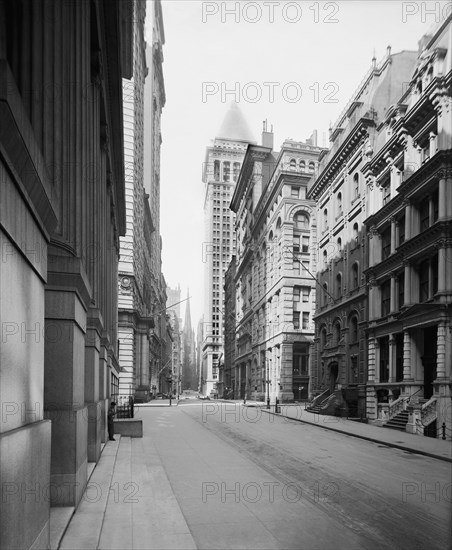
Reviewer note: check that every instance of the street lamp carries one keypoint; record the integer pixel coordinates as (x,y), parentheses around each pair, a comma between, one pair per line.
(268,382)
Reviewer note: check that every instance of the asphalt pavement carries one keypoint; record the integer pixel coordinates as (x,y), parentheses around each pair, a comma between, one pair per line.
(224,475)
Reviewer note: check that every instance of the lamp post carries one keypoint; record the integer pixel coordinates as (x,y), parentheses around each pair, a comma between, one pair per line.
(268,382)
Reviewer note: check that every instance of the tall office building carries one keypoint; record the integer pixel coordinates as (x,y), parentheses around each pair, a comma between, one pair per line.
(221,169)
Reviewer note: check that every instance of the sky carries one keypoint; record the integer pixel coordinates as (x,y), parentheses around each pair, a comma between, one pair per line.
(294,64)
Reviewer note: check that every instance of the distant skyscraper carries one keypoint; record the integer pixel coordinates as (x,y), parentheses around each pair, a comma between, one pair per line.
(221,169)
(188,351)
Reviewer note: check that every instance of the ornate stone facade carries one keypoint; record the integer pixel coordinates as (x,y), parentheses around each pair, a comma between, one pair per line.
(275,271)
(410,266)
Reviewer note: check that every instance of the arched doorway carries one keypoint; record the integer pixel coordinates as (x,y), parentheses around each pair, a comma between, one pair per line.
(333,369)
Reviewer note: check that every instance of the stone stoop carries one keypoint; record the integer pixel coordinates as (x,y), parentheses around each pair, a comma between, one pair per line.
(81,528)
(399,421)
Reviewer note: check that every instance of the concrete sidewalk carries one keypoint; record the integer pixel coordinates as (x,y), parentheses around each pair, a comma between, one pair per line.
(128,503)
(435,448)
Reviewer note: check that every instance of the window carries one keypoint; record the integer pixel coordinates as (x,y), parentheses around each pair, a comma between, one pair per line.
(337,333)
(356,185)
(296,319)
(301,220)
(322,339)
(338,285)
(355,275)
(305,244)
(401,289)
(216,170)
(296,293)
(386,243)
(305,267)
(434,265)
(296,267)
(296,244)
(305,325)
(302,165)
(384,359)
(424,281)
(385,298)
(424,214)
(226,171)
(339,243)
(325,218)
(325,293)
(339,204)
(325,259)
(401,223)
(353,329)
(311,167)
(295,192)
(306,292)
(293,163)
(435,204)
(386,193)
(300,359)
(355,234)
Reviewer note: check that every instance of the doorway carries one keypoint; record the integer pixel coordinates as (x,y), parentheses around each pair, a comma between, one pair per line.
(429,360)
(334,371)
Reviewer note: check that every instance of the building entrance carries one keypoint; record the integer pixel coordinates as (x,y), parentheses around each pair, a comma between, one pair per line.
(334,370)
(429,360)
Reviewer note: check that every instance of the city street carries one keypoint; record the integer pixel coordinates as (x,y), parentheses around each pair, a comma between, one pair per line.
(245,479)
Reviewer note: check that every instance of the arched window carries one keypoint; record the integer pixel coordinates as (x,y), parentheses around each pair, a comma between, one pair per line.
(337,332)
(356,184)
(216,170)
(226,170)
(338,285)
(355,233)
(292,164)
(322,338)
(325,218)
(311,168)
(325,259)
(301,220)
(353,333)
(339,243)
(278,228)
(325,293)
(339,204)
(355,275)
(302,165)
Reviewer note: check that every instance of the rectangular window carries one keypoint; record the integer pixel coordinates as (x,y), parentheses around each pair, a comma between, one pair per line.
(424,214)
(296,320)
(401,223)
(386,194)
(305,244)
(305,320)
(295,192)
(306,292)
(386,243)
(423,282)
(296,293)
(384,359)
(401,285)
(296,267)
(305,267)
(296,243)
(385,298)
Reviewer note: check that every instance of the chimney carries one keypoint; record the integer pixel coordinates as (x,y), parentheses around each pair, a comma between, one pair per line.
(267,137)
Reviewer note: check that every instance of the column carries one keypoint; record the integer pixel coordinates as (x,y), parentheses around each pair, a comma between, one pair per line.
(374,294)
(371,398)
(392,358)
(393,297)
(377,360)
(92,378)
(407,283)
(441,351)
(442,197)
(393,235)
(407,356)
(432,144)
(408,213)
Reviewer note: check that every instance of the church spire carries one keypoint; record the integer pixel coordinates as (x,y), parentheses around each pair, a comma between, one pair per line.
(187,321)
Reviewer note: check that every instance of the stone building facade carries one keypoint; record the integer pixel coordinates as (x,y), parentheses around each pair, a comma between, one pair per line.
(142,299)
(229,331)
(340,362)
(62,211)
(409,181)
(222,165)
(275,270)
